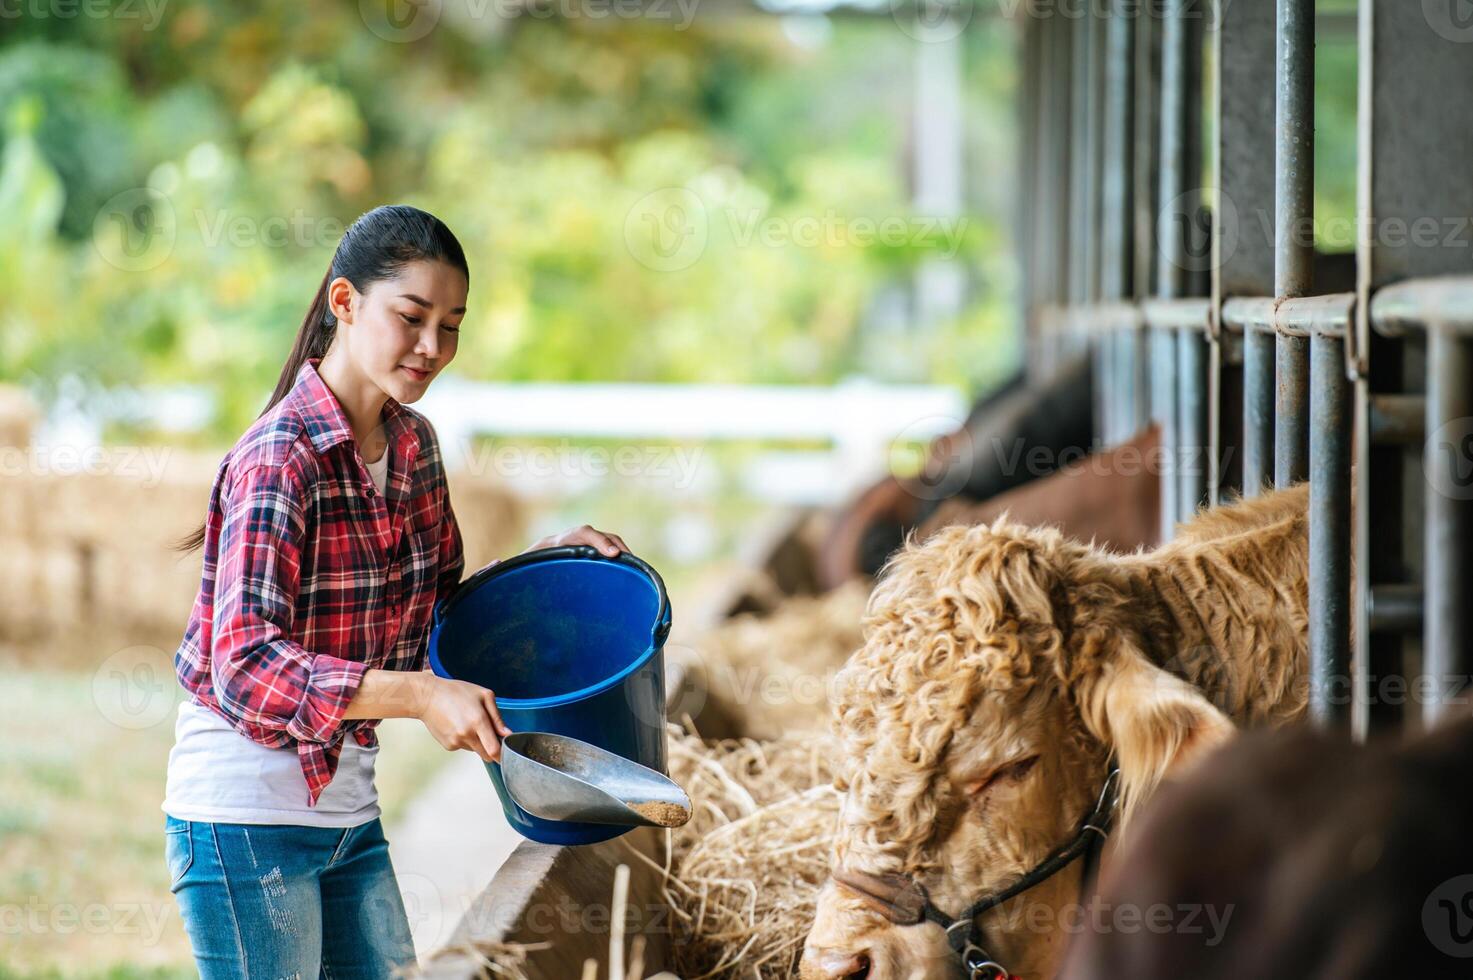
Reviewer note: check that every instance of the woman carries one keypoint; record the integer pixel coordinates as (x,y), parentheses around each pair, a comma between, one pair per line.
(328,541)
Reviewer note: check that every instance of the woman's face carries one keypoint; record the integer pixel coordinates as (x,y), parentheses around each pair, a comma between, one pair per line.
(403,331)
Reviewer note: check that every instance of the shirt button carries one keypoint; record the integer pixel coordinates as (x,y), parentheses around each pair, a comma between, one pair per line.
(369,492)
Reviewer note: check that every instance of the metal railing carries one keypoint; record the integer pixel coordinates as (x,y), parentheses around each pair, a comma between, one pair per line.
(1207,322)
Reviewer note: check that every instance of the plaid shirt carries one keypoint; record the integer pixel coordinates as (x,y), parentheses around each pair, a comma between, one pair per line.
(311,576)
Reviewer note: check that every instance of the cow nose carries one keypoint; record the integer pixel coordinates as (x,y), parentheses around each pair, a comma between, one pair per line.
(831,964)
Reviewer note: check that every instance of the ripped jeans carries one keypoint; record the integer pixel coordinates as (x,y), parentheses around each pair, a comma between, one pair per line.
(275,902)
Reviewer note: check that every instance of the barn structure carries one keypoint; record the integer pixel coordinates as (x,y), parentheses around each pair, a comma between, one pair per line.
(1167,228)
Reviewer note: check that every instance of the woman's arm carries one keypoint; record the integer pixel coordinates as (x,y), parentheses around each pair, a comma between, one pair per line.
(259,674)
(460,715)
(390,694)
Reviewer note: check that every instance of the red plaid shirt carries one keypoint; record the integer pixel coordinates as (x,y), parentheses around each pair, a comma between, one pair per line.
(311,576)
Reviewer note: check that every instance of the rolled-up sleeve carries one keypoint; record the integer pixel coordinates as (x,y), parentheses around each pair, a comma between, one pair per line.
(261,676)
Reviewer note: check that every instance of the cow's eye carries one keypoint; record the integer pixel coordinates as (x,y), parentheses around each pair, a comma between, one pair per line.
(1011,773)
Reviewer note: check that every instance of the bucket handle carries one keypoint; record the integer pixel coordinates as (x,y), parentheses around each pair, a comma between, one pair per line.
(662,620)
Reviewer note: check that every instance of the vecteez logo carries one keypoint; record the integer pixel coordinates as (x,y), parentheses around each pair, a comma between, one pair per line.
(400,21)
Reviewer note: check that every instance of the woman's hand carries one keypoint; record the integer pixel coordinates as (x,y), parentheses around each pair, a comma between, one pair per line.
(609,543)
(462,715)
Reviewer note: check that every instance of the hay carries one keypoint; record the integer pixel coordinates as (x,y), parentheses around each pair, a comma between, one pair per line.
(742,877)
(773,673)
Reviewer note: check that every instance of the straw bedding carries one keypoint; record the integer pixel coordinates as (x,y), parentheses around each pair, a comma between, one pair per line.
(773,672)
(742,877)
(745,872)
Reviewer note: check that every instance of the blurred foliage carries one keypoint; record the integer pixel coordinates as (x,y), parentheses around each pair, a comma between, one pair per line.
(633,195)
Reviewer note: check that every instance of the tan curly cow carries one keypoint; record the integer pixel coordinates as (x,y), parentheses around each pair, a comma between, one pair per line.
(1002,667)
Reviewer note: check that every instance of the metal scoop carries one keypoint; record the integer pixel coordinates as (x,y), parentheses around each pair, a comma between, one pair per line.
(560,778)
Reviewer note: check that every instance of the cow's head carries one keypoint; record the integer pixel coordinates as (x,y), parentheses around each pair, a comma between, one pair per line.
(1001,669)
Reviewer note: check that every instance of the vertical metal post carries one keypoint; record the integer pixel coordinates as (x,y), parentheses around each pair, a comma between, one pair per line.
(1448,609)
(1258,411)
(1115,215)
(1080,247)
(1115,203)
(1226,479)
(1243,247)
(1414,150)
(1092,35)
(1191,368)
(1147,158)
(1291,404)
(1293,229)
(1182,251)
(1329,534)
(1174,214)
(1162,345)
(1177,196)
(1028,129)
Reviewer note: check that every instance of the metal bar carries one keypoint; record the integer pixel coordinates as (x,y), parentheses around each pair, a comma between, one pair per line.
(1291,404)
(1330,315)
(1146,158)
(1448,617)
(1102,371)
(1163,411)
(1115,203)
(1125,371)
(1077,30)
(1028,128)
(1395,607)
(1411,306)
(1226,478)
(1258,411)
(1093,33)
(1255,317)
(1293,229)
(1329,532)
(1178,193)
(1415,144)
(1176,314)
(1294,149)
(1397,420)
(1243,247)
(1191,368)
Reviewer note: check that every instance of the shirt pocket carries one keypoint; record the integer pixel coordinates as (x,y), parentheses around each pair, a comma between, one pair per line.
(178,849)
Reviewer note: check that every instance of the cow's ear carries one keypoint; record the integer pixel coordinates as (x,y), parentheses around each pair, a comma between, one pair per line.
(1155,723)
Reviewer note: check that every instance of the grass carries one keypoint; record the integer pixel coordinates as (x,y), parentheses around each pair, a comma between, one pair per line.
(83,886)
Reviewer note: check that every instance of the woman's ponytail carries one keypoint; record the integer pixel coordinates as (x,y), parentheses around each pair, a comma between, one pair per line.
(375,247)
(313,339)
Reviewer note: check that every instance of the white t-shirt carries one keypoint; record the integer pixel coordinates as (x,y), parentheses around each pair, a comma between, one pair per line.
(380,472)
(217,775)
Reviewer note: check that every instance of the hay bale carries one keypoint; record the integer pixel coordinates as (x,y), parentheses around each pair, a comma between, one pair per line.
(19,416)
(743,876)
(772,674)
(741,879)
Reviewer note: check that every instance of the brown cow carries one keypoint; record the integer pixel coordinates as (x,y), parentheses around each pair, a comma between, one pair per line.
(1001,667)
(1295,854)
(1112,498)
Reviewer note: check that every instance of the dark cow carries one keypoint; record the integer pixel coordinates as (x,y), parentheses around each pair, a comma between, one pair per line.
(1296,855)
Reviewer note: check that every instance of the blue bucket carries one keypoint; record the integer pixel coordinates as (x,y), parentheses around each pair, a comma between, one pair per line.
(572,642)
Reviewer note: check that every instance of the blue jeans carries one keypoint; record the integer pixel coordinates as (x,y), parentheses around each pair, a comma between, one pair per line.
(267,902)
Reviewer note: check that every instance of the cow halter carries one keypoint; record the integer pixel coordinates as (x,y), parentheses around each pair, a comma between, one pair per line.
(903,900)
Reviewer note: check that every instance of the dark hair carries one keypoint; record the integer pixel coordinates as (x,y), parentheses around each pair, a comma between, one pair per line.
(375,247)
